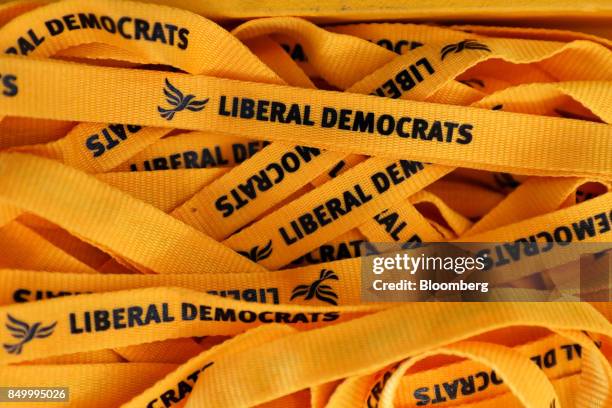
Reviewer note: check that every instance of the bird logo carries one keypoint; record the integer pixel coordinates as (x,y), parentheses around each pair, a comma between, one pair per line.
(316,289)
(180,102)
(25,333)
(256,254)
(462,45)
